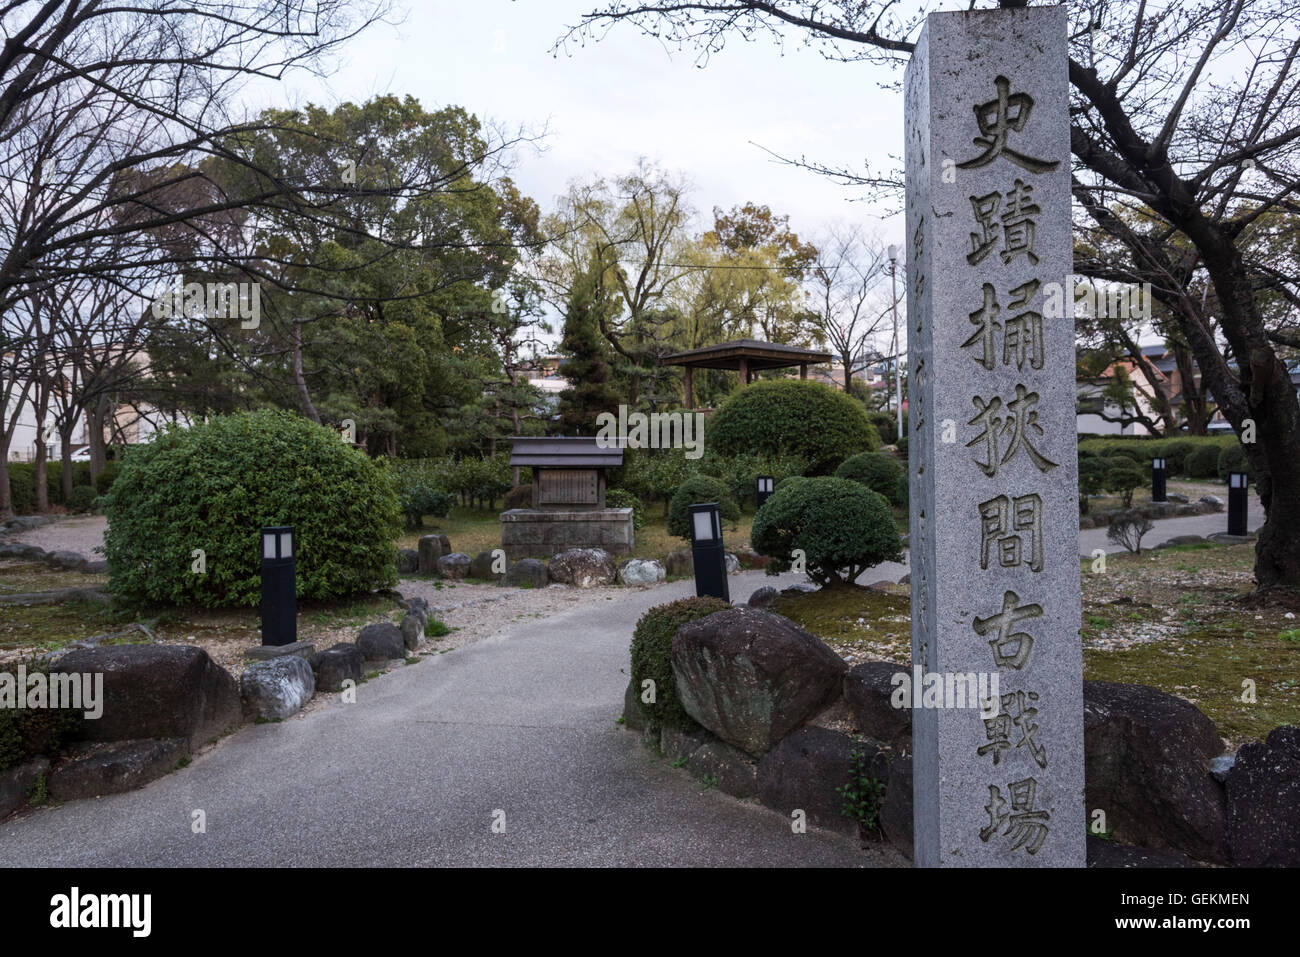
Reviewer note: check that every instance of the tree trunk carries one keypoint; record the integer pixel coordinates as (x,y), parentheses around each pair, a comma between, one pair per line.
(299,379)
(95,415)
(38,473)
(6,493)
(65,456)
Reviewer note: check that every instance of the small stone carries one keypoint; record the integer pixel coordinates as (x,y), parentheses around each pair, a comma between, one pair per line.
(762,597)
(408,561)
(732,563)
(303,649)
(277,689)
(640,571)
(527,573)
(454,566)
(382,641)
(334,665)
(412,631)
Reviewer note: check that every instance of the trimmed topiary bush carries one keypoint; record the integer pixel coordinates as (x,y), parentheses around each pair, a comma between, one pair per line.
(213,486)
(82,499)
(1135,454)
(1175,453)
(838,523)
(519,497)
(652,647)
(694,491)
(1125,477)
(622,498)
(1204,462)
(740,472)
(1232,458)
(792,417)
(879,472)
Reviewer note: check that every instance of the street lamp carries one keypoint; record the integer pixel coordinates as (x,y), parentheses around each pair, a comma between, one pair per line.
(765,485)
(1157,480)
(279,591)
(707,553)
(898,379)
(1237,484)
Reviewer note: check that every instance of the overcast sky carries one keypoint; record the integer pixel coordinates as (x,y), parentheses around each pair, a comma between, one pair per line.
(609,102)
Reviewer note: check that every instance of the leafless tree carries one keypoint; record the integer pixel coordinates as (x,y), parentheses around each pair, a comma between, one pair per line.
(844,289)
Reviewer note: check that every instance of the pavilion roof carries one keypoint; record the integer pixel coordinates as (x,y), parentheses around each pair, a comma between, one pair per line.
(758,355)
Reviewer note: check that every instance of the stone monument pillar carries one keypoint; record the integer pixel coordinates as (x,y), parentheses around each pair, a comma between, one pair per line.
(994,531)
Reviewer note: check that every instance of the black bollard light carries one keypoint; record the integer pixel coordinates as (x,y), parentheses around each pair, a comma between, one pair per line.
(1237,485)
(1158,480)
(279,591)
(707,553)
(765,485)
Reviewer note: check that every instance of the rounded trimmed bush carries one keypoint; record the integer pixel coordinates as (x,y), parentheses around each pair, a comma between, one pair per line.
(1175,453)
(1232,458)
(214,485)
(1127,453)
(879,472)
(838,523)
(886,426)
(792,417)
(1125,477)
(694,491)
(622,498)
(82,499)
(521,496)
(652,648)
(1204,462)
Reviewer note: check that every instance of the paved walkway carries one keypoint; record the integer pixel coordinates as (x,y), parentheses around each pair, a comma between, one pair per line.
(412,773)
(1167,528)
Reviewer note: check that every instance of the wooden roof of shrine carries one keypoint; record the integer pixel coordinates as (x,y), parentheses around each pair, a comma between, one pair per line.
(563,453)
(756,354)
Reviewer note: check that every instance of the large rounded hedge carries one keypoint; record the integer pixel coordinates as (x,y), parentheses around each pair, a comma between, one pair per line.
(1203,463)
(1232,458)
(793,417)
(652,648)
(213,486)
(879,472)
(695,491)
(843,528)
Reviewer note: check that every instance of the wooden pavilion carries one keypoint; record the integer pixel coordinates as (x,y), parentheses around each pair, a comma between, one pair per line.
(745,357)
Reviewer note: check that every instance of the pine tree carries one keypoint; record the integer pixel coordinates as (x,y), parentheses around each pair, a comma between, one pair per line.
(586,364)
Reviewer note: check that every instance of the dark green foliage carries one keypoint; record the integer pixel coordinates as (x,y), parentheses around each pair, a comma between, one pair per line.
(879,472)
(1175,453)
(1204,462)
(1135,454)
(588,359)
(1232,458)
(696,490)
(652,646)
(104,481)
(842,527)
(1125,477)
(22,488)
(214,485)
(886,426)
(521,497)
(741,472)
(901,444)
(863,793)
(26,733)
(622,498)
(418,499)
(1092,479)
(82,499)
(792,417)
(656,474)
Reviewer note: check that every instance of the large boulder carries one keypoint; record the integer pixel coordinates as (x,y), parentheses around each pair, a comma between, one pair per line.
(157,691)
(527,573)
(681,563)
(408,561)
(751,676)
(640,571)
(1264,801)
(584,567)
(803,771)
(333,666)
(382,641)
(1147,757)
(454,566)
(729,769)
(896,809)
(18,782)
(868,689)
(481,567)
(277,689)
(113,768)
(429,550)
(68,561)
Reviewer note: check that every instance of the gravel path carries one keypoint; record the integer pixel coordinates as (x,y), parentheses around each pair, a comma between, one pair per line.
(81,534)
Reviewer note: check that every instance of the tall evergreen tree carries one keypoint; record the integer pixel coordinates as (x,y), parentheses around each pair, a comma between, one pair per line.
(587,358)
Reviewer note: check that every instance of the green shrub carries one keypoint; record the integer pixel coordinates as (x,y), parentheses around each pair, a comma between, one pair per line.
(104,480)
(1127,452)
(741,472)
(1204,462)
(26,733)
(622,498)
(879,472)
(520,497)
(82,499)
(419,500)
(657,474)
(652,646)
(214,485)
(1232,458)
(1092,480)
(479,482)
(838,523)
(1175,453)
(792,417)
(1125,477)
(694,491)
(902,446)
(886,426)
(22,487)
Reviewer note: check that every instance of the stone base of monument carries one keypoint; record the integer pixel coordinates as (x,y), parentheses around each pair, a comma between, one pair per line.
(537,533)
